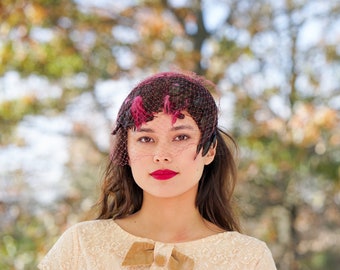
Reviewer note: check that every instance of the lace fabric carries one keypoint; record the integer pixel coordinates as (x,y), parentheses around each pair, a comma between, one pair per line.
(102,244)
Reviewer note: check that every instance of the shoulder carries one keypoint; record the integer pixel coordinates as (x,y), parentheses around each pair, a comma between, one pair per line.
(85,227)
(89,231)
(103,235)
(86,230)
(246,241)
(248,250)
(92,226)
(229,242)
(85,244)
(100,231)
(252,251)
(242,244)
(231,249)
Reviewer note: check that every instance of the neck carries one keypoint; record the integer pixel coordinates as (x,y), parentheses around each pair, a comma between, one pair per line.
(171,211)
(170,220)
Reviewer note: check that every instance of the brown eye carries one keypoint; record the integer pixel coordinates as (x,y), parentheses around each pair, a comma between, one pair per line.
(182,137)
(145,139)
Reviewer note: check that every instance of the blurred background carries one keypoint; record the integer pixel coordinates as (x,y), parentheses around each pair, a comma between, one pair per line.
(65,67)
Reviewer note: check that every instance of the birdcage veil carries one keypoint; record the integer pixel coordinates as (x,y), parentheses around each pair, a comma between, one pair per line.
(172,93)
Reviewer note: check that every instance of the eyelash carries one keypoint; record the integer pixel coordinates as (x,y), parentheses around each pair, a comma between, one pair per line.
(181,137)
(146,139)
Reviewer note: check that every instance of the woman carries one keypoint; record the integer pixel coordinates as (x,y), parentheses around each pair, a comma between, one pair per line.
(166,199)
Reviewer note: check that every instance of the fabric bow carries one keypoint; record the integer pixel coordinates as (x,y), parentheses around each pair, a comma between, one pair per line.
(142,254)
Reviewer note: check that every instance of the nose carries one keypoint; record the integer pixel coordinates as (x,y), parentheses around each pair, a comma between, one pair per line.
(162,155)
(161,158)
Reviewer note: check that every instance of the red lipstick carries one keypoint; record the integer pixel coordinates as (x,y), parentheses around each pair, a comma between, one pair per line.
(163,174)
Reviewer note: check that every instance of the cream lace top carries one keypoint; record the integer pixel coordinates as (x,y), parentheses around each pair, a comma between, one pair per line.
(102,244)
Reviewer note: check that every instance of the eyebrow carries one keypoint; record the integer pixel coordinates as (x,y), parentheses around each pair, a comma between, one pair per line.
(175,128)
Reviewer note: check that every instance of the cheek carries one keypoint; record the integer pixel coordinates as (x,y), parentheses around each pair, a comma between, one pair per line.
(136,153)
(137,159)
(132,156)
(138,169)
(188,151)
(192,160)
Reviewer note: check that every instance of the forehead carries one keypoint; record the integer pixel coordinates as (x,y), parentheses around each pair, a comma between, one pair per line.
(163,121)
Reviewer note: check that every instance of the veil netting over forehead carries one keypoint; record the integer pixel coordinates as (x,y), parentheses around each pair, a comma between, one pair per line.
(171,93)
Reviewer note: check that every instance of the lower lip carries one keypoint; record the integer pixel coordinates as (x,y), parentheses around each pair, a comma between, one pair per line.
(164,176)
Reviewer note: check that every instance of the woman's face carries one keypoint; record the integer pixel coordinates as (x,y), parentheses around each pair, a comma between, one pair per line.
(163,157)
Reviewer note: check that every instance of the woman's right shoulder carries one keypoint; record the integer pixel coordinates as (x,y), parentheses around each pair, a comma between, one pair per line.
(80,241)
(92,226)
(93,232)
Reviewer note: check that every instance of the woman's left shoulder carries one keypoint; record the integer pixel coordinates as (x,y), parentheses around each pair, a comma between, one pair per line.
(245,243)
(241,251)
(244,240)
(251,248)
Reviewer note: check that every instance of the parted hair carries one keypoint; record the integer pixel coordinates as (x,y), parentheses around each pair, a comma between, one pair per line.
(173,93)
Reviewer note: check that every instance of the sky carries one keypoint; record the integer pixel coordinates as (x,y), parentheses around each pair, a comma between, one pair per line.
(46,144)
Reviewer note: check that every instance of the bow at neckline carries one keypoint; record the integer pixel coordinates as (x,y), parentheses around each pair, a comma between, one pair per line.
(142,254)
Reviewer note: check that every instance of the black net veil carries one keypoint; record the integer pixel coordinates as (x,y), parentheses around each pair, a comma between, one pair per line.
(172,93)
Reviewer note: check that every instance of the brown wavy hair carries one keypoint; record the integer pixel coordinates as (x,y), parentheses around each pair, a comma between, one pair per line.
(121,196)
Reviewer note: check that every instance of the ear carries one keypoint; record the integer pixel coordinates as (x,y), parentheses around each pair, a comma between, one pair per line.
(209,157)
